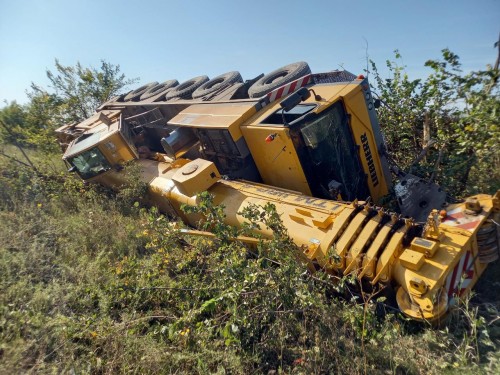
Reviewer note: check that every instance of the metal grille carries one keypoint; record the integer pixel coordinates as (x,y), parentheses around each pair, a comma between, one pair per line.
(337,76)
(151,118)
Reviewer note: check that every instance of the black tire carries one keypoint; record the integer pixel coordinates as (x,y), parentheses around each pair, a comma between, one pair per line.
(114,99)
(185,89)
(136,94)
(277,78)
(164,97)
(161,87)
(218,83)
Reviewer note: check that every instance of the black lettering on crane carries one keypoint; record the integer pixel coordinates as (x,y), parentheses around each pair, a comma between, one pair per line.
(369,159)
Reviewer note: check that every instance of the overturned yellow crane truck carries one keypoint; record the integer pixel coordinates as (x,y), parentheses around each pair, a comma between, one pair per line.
(309,144)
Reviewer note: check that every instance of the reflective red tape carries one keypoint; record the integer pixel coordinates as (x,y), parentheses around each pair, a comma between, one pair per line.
(288,88)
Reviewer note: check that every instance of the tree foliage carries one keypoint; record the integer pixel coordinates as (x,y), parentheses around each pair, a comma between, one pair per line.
(82,90)
(459,110)
(12,116)
(75,94)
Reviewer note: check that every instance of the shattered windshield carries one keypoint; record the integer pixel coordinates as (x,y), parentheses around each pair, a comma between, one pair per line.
(90,163)
(330,157)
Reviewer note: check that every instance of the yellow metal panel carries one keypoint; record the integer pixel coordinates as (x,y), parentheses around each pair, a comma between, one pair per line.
(216,116)
(340,224)
(424,246)
(195,177)
(364,138)
(317,219)
(329,93)
(412,259)
(115,149)
(434,270)
(237,195)
(294,198)
(343,244)
(354,101)
(353,258)
(370,259)
(389,255)
(277,161)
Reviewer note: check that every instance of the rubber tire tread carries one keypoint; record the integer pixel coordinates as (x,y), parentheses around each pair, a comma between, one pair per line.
(278,77)
(185,89)
(116,98)
(160,87)
(136,94)
(218,83)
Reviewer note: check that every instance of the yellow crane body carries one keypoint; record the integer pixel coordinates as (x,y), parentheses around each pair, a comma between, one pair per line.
(312,147)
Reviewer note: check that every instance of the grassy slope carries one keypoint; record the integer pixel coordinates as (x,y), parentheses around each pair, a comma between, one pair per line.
(91,284)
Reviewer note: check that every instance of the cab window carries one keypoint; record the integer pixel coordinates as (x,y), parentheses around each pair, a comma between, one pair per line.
(329,156)
(277,117)
(90,163)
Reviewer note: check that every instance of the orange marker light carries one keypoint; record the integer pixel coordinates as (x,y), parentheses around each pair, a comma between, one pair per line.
(271,137)
(361,76)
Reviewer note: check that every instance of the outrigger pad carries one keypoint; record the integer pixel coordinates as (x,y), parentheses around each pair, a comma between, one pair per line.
(417,197)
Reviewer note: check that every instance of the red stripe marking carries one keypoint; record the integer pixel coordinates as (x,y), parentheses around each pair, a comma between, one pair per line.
(464,269)
(286,89)
(457,215)
(279,94)
(448,282)
(470,225)
(466,262)
(468,273)
(453,278)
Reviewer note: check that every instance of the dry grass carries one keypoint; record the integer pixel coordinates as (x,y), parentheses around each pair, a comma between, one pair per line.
(92,286)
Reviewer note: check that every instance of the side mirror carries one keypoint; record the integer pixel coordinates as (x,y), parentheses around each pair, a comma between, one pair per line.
(303,93)
(376,103)
(294,99)
(72,169)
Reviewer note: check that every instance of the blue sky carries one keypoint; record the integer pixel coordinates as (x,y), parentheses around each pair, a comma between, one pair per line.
(160,40)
